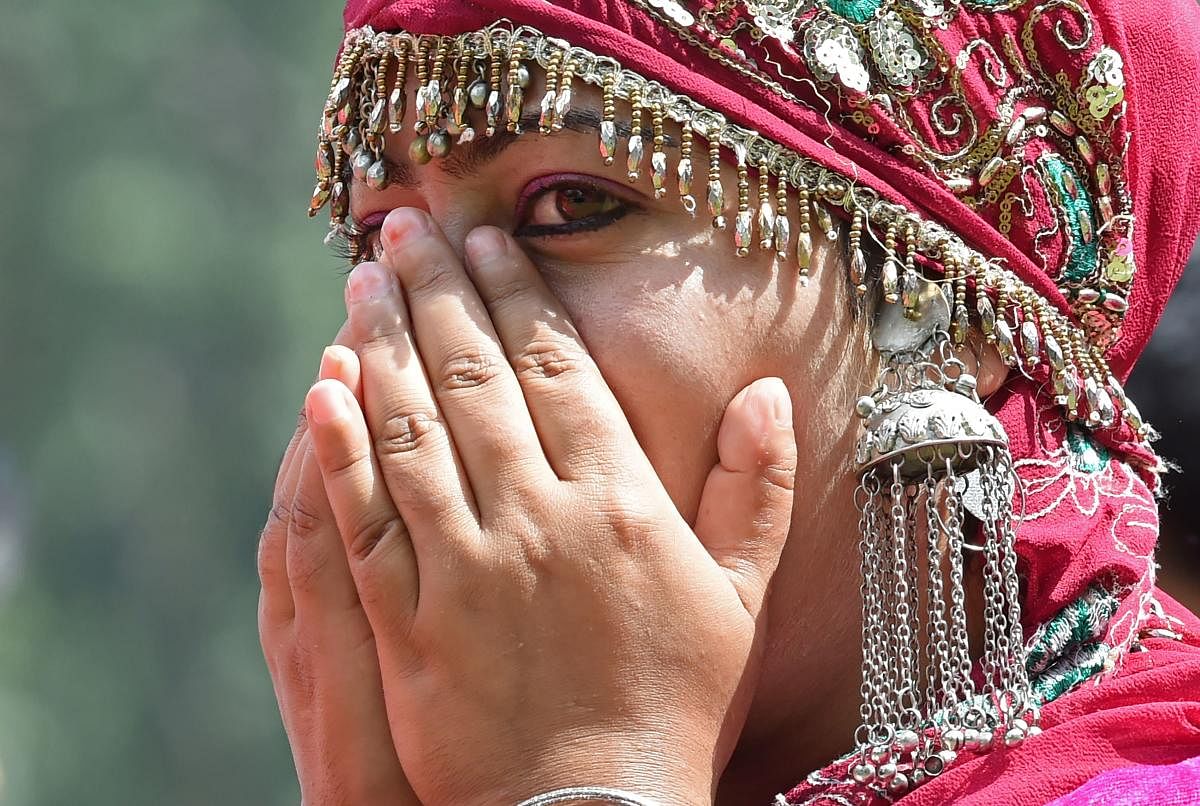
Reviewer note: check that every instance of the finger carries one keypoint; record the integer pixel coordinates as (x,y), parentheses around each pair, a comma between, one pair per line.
(746,507)
(318,575)
(474,385)
(275,605)
(340,363)
(581,425)
(275,598)
(382,559)
(408,435)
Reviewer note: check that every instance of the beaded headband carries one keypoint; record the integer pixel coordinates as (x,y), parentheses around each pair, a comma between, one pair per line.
(474,84)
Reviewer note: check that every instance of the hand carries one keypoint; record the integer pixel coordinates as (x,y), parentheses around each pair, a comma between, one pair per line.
(318,645)
(544,615)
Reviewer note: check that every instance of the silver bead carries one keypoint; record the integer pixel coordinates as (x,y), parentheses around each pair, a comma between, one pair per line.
(907,740)
(478,93)
(1013,737)
(886,770)
(953,739)
(899,783)
(418,150)
(438,144)
(862,773)
(360,163)
(377,178)
(522,76)
(864,408)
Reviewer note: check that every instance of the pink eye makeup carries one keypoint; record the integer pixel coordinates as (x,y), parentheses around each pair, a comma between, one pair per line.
(567,204)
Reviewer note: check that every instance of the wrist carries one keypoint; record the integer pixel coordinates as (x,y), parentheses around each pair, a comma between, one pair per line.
(656,778)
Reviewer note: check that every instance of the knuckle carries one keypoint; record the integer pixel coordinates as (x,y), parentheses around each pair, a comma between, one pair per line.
(433,279)
(269,551)
(368,535)
(468,368)
(546,360)
(508,290)
(304,519)
(305,564)
(630,525)
(780,472)
(402,434)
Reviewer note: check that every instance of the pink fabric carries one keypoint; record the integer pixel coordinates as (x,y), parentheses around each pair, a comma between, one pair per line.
(1080,525)
(1174,785)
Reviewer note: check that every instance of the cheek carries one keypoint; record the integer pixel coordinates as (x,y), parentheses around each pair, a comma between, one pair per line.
(670,351)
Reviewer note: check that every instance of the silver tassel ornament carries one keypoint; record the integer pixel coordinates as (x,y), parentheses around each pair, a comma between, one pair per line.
(935,481)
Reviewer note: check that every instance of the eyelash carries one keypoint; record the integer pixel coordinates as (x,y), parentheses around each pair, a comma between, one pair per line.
(341,248)
(589,224)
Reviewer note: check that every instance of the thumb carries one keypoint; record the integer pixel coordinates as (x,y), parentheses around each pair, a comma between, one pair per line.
(746,507)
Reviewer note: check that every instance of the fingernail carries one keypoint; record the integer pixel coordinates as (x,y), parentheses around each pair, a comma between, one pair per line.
(331,363)
(783,406)
(780,401)
(483,244)
(327,403)
(368,281)
(402,224)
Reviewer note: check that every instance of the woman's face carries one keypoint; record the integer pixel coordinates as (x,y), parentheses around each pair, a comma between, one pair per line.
(678,324)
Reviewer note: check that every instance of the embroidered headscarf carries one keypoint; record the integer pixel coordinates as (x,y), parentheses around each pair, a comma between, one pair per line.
(1040,155)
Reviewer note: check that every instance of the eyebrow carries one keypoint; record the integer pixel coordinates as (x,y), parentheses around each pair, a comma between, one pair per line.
(466,160)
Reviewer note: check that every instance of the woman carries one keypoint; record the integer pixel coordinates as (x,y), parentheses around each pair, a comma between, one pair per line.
(580,507)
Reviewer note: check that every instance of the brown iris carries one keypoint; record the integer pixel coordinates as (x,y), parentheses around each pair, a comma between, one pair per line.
(579,203)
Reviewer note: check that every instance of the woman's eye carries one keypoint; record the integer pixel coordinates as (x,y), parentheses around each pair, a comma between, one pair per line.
(567,209)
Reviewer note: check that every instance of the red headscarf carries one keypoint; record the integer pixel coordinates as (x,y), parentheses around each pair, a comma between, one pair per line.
(1088,517)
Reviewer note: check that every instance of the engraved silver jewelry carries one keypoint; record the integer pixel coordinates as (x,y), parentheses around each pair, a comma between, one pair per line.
(588,793)
(935,474)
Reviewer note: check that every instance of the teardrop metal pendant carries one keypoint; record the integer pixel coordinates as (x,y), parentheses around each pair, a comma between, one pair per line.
(766,225)
(804,250)
(716,203)
(396,104)
(634,161)
(743,232)
(562,105)
(783,235)
(658,176)
(608,141)
(494,108)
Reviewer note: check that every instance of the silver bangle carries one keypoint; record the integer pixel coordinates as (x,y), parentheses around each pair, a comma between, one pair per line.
(614,796)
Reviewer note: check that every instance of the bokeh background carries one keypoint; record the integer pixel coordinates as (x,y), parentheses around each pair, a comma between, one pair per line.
(163,304)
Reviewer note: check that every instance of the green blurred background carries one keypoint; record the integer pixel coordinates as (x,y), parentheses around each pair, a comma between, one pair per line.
(163,304)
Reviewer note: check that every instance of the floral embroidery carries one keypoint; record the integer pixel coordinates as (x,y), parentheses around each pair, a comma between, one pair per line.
(1075,210)
(975,114)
